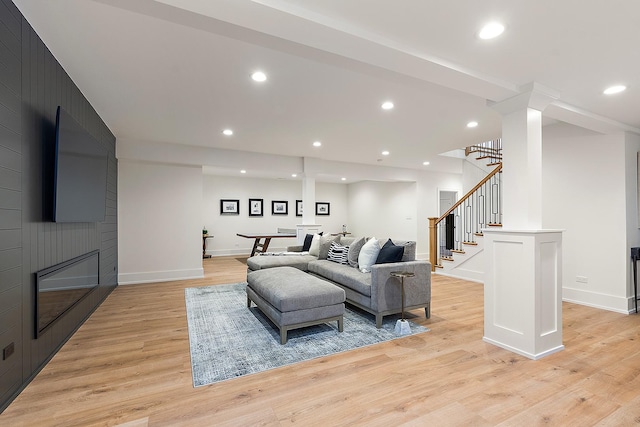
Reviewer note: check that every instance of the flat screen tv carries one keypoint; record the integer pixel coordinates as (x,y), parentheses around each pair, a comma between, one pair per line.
(80,173)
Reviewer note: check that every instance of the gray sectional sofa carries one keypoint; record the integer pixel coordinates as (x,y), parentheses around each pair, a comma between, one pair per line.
(376,292)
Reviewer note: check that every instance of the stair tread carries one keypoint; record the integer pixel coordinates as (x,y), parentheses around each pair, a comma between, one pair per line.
(458,251)
(470,243)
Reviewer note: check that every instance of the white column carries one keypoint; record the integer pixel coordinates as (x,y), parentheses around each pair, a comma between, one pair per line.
(523,277)
(308,225)
(523,291)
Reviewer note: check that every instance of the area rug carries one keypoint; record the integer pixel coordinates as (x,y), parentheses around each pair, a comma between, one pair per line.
(228,340)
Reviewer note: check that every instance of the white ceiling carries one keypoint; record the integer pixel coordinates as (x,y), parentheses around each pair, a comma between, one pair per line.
(178,71)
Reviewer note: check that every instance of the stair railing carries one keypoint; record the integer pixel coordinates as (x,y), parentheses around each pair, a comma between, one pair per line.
(480,208)
(491,150)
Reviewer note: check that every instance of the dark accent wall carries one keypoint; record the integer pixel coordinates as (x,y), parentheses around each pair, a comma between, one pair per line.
(32,85)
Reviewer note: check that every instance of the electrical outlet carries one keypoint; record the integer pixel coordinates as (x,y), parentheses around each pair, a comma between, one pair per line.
(582,279)
(8,351)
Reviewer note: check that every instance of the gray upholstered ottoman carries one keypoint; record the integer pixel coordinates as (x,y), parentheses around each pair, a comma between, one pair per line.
(293,299)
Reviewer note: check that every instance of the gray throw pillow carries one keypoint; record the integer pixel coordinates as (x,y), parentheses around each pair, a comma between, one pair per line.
(409,249)
(325,244)
(354,251)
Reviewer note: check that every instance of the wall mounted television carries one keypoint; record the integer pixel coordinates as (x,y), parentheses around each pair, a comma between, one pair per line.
(62,286)
(80,173)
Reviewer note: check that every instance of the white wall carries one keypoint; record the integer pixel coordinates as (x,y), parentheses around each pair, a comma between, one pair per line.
(150,156)
(225,227)
(159,222)
(585,194)
(383,210)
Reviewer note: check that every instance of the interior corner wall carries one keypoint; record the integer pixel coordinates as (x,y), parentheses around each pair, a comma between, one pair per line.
(160,213)
(585,194)
(32,85)
(224,228)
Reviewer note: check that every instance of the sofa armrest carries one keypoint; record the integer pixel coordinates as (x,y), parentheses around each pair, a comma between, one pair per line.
(386,292)
(297,248)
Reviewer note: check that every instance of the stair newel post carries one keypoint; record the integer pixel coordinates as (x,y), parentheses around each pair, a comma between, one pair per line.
(433,243)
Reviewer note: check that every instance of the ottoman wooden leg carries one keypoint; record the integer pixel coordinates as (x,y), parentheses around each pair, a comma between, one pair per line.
(248,302)
(283,336)
(340,324)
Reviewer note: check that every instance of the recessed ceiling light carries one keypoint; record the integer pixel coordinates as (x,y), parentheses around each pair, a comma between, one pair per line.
(387,105)
(343,179)
(243,171)
(259,76)
(614,89)
(472,124)
(425,163)
(227,132)
(385,153)
(317,144)
(491,30)
(293,175)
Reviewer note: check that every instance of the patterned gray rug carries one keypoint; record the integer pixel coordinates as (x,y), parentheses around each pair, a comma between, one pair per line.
(228,340)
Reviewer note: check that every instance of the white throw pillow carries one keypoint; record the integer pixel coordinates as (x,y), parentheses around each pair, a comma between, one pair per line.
(314,249)
(368,255)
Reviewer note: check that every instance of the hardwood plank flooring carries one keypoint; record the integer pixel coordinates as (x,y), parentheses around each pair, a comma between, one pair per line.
(129,365)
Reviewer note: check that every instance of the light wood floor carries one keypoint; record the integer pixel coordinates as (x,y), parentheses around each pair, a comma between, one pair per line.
(129,364)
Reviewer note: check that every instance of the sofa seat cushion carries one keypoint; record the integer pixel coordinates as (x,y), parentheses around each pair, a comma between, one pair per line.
(260,262)
(289,289)
(344,275)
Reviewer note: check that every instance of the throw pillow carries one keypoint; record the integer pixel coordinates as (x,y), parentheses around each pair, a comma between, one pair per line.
(354,251)
(314,249)
(338,253)
(368,255)
(325,244)
(390,253)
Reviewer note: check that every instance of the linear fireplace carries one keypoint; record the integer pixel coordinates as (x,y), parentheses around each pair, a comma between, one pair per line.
(62,286)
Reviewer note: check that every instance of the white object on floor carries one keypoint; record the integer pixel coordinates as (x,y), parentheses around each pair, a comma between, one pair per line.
(402,327)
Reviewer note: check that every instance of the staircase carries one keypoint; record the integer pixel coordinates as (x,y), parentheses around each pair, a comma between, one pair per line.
(455,238)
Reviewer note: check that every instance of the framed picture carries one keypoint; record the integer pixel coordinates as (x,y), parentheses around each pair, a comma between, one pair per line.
(298,207)
(322,208)
(279,207)
(229,207)
(255,207)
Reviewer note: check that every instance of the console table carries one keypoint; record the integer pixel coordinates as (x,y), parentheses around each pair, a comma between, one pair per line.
(262,240)
(204,246)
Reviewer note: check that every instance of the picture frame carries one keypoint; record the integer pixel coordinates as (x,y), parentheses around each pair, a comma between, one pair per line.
(256,207)
(298,207)
(323,208)
(279,207)
(229,207)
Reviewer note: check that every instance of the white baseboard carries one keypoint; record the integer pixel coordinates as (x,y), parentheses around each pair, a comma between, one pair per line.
(473,277)
(531,356)
(596,300)
(159,276)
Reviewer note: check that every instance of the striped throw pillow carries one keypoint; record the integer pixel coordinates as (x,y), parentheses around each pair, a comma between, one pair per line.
(338,253)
